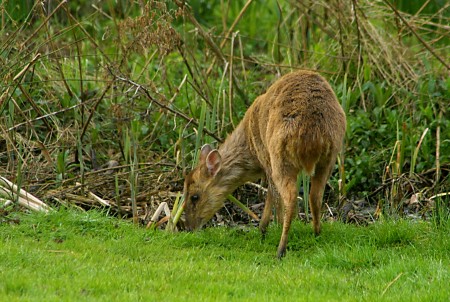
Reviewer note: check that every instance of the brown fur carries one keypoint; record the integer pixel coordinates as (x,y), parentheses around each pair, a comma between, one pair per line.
(296,125)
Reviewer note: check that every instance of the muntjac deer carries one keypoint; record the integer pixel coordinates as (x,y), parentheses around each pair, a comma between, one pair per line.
(297,125)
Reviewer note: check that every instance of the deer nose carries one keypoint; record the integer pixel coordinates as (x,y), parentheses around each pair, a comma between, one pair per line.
(191,224)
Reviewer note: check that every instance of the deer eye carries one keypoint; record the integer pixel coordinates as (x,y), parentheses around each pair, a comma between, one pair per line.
(194,198)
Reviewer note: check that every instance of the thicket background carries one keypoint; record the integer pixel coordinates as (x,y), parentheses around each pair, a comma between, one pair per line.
(115,97)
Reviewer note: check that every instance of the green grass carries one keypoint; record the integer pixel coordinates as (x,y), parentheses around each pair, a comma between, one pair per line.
(74,256)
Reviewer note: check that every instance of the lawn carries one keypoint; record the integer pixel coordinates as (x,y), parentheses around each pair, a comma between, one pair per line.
(87,256)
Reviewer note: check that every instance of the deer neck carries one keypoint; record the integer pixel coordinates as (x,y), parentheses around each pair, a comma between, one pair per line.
(239,164)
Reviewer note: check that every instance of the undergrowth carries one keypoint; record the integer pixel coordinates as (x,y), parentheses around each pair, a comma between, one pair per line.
(116,97)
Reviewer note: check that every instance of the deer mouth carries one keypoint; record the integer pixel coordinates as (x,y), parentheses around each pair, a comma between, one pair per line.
(193,224)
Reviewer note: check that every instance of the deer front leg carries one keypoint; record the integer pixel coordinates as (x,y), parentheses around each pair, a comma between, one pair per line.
(272,199)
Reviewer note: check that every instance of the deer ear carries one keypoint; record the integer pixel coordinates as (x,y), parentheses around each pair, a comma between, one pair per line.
(204,152)
(213,162)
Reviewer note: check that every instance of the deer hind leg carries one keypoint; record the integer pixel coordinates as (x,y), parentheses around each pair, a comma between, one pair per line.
(318,182)
(285,180)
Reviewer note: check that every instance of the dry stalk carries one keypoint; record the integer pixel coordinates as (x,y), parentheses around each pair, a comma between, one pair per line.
(86,33)
(24,198)
(43,23)
(34,105)
(216,50)
(163,206)
(230,30)
(231,74)
(438,147)
(59,68)
(95,197)
(94,108)
(391,283)
(424,43)
(146,93)
(48,115)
